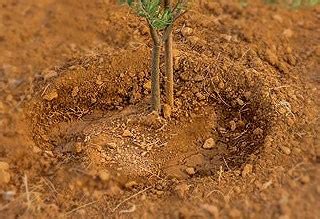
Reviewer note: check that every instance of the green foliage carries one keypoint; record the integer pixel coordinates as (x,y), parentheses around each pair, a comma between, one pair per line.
(157,16)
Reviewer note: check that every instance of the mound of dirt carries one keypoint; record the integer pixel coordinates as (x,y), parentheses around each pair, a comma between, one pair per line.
(79,138)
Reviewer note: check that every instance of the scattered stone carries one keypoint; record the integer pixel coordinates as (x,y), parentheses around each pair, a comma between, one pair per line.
(258,131)
(4,177)
(49,74)
(213,210)
(104,175)
(127,133)
(4,166)
(77,147)
(36,149)
(278,18)
(235,213)
(186,31)
(75,91)
(240,102)
(200,96)
(4,174)
(147,85)
(131,184)
(221,85)
(184,76)
(198,78)
(305,179)
(99,80)
(114,191)
(49,153)
(271,57)
(226,37)
(266,185)
(182,190)
(51,95)
(209,143)
(233,125)
(247,170)
(8,196)
(111,145)
(167,111)
(288,33)
(191,171)
(285,150)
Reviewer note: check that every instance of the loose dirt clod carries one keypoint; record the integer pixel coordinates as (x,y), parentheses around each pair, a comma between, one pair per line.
(191,171)
(209,144)
(51,95)
(127,133)
(247,170)
(4,173)
(285,150)
(104,175)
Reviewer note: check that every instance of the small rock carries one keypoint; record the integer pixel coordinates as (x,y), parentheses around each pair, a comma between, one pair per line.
(240,102)
(213,210)
(49,74)
(226,37)
(182,190)
(186,31)
(104,175)
(99,80)
(131,184)
(184,76)
(278,18)
(4,166)
(247,170)
(51,95)
(198,78)
(285,150)
(271,57)
(77,147)
(221,85)
(200,96)
(288,33)
(147,86)
(111,145)
(8,196)
(258,131)
(167,111)
(75,91)
(191,171)
(233,125)
(305,179)
(4,176)
(209,144)
(127,133)
(235,213)
(36,150)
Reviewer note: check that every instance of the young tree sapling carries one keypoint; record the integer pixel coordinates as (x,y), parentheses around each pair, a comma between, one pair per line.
(160,17)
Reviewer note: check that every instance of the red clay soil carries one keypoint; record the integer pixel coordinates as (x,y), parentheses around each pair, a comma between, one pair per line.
(77,139)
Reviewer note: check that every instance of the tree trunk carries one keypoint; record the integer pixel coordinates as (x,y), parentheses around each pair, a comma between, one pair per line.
(155,71)
(169,62)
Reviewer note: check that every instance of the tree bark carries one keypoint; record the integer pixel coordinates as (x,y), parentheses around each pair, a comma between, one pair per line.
(155,71)
(168,44)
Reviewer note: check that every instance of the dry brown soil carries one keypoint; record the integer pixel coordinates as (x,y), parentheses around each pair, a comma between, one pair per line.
(77,139)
